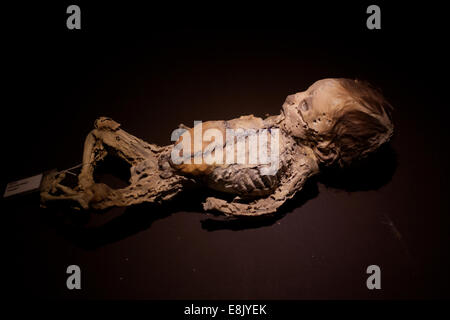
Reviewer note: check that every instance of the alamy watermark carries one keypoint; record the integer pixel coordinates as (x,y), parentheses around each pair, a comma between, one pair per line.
(374,20)
(238,146)
(74,279)
(74,19)
(374,280)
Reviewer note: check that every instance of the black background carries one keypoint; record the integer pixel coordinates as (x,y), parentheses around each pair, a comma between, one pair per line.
(153,67)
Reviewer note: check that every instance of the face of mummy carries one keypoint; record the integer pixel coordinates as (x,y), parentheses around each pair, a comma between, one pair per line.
(313,111)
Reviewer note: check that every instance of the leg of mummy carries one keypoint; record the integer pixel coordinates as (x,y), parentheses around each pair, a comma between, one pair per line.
(107,133)
(152,178)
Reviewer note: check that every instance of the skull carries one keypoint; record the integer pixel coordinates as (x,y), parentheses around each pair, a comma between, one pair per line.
(341,119)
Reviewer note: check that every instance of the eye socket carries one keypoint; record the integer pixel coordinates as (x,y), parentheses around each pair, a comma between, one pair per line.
(304,106)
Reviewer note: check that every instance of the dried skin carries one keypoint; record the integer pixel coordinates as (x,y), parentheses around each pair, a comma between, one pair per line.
(154,179)
(308,138)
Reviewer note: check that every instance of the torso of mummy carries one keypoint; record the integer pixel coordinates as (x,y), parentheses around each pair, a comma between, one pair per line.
(237,163)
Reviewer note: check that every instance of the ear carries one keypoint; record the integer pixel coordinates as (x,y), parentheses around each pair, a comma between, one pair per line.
(326,152)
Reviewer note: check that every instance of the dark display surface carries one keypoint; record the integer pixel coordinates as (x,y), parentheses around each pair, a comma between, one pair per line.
(151,69)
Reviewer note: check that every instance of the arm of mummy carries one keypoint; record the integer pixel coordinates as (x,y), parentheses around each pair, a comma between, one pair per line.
(255,208)
(270,204)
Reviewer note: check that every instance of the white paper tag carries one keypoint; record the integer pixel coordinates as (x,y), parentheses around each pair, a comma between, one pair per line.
(24,185)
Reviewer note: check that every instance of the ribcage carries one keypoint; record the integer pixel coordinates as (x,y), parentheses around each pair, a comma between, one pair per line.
(242,180)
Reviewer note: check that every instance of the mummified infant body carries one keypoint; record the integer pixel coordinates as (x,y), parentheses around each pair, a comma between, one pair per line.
(333,122)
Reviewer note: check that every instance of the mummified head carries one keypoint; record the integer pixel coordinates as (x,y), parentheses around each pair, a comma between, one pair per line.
(341,119)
